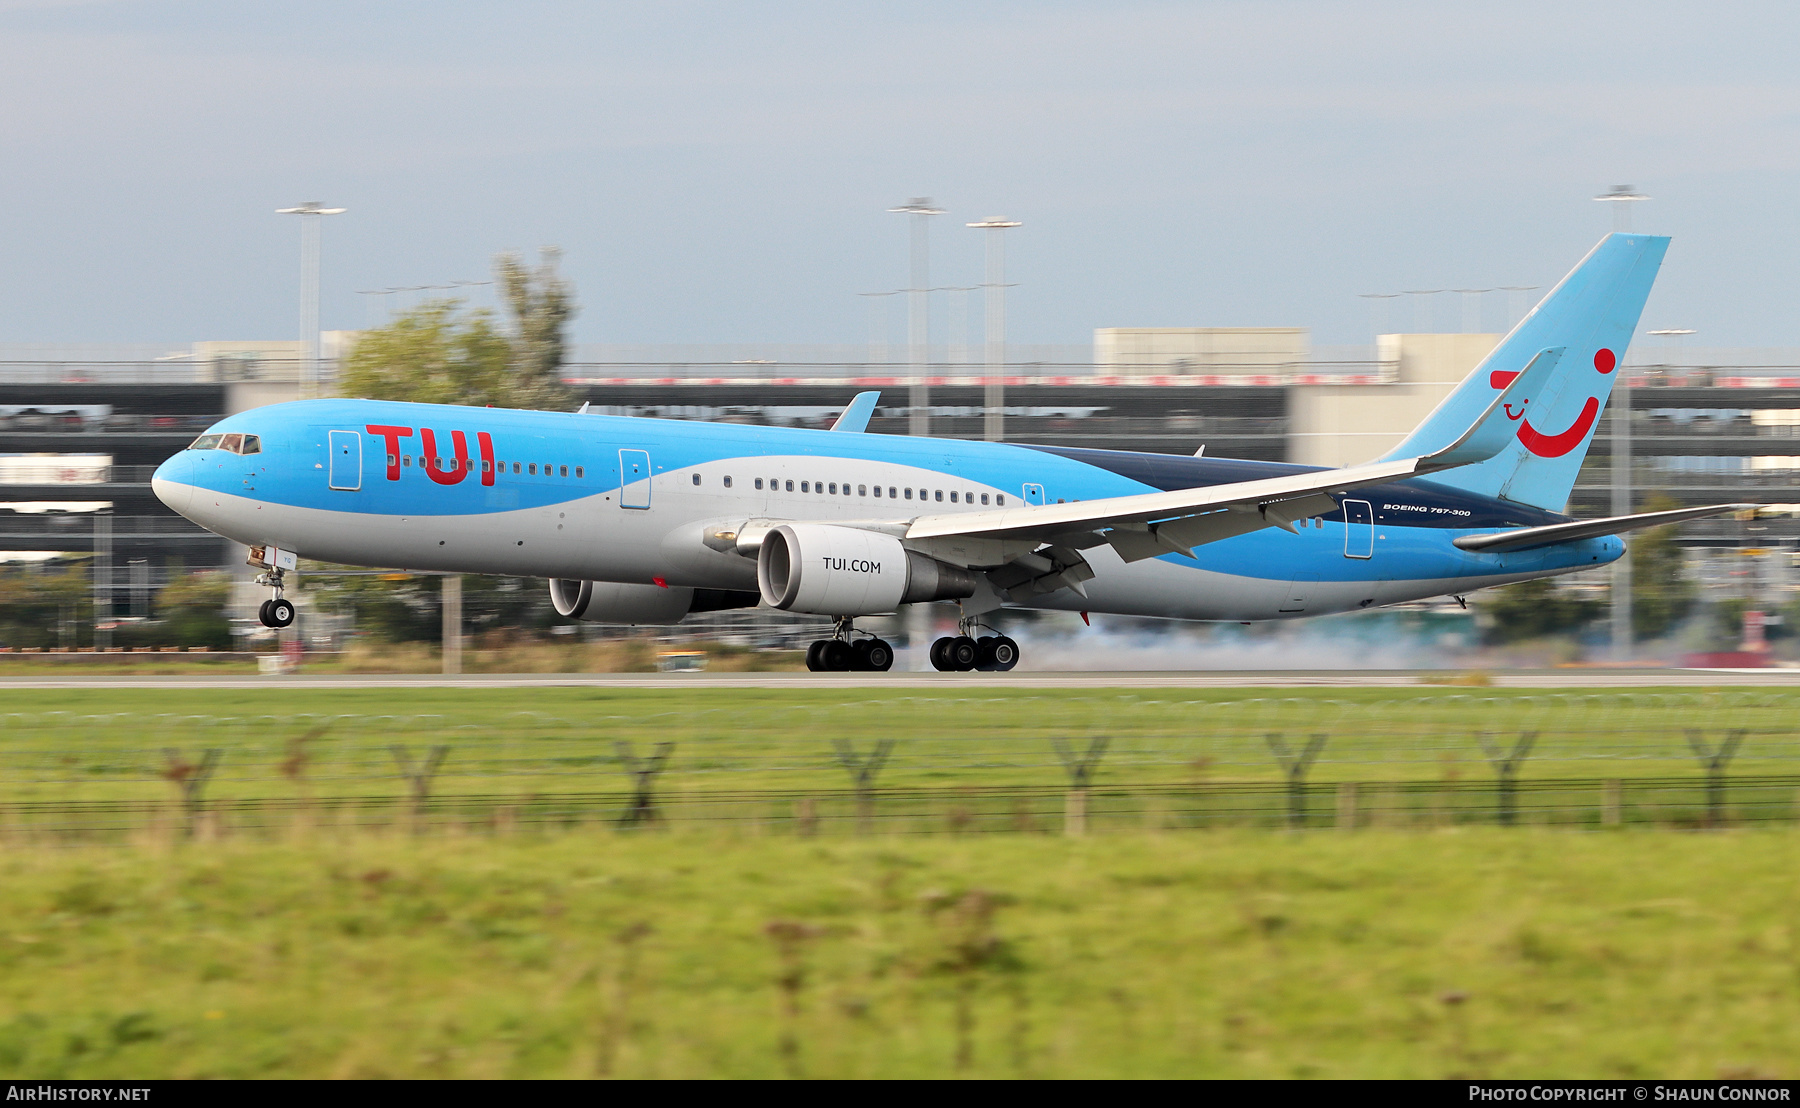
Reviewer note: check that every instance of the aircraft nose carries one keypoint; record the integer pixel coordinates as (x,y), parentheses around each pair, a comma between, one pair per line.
(173,482)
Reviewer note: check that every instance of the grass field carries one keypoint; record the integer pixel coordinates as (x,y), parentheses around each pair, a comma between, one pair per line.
(475,942)
(1528,953)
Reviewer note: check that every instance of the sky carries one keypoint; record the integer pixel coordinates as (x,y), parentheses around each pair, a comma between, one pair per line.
(720,172)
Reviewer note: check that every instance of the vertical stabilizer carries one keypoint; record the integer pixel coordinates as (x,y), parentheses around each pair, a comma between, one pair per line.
(1590,316)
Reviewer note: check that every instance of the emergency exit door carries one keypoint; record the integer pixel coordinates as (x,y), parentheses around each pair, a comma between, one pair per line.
(1034,494)
(634,478)
(1359,529)
(346,460)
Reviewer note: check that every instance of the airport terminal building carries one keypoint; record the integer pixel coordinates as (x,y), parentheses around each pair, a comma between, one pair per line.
(81,430)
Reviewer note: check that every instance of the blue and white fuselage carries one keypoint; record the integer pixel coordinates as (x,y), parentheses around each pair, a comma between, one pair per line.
(555,495)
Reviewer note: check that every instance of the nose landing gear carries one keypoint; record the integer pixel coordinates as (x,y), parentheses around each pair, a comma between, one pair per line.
(964,652)
(278,612)
(841,654)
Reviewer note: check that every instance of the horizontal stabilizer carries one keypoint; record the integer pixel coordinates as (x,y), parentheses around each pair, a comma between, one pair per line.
(856,416)
(1588,528)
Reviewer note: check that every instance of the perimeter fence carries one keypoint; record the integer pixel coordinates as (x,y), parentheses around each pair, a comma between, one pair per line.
(920,764)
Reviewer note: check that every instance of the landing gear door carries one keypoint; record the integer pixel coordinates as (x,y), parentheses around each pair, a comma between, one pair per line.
(346,460)
(634,478)
(1034,494)
(1359,529)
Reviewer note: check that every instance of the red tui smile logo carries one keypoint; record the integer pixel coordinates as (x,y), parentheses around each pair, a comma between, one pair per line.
(1555,446)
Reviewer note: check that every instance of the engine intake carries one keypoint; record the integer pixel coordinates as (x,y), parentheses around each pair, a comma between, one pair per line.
(611,602)
(843,571)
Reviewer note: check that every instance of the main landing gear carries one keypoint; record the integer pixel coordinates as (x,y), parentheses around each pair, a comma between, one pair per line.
(964,652)
(840,654)
(278,612)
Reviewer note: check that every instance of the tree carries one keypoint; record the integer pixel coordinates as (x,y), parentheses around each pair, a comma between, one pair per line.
(1534,609)
(1662,593)
(35,599)
(409,608)
(439,354)
(541,303)
(431,356)
(192,610)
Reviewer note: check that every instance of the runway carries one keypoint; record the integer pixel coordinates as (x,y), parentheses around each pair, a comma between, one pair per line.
(952,682)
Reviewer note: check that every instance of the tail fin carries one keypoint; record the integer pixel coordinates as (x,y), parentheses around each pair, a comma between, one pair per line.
(1591,316)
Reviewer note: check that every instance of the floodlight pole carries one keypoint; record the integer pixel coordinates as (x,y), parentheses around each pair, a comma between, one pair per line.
(309,288)
(918,312)
(993,424)
(1622,197)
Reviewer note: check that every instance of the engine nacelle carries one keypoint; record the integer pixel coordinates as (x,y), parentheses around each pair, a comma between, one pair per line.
(610,602)
(844,571)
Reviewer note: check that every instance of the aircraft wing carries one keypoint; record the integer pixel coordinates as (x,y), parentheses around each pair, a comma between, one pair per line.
(1588,528)
(1147,525)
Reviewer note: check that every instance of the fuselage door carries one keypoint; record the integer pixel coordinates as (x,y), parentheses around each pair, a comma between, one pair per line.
(1359,529)
(346,460)
(634,478)
(1034,494)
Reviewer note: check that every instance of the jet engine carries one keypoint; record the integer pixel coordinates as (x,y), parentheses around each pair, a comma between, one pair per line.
(610,602)
(844,571)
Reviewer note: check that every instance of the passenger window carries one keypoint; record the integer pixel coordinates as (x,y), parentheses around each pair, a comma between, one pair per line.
(233,443)
(790,486)
(696,478)
(863,490)
(393,461)
(406,459)
(984,498)
(805,486)
(818,486)
(834,488)
(759,482)
(484,466)
(562,471)
(909,493)
(940,496)
(1059,500)
(890,492)
(253,444)
(533,469)
(728,480)
(952,497)
(515,467)
(1000,498)
(578,472)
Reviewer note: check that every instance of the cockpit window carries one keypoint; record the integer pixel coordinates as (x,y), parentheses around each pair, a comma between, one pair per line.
(237,444)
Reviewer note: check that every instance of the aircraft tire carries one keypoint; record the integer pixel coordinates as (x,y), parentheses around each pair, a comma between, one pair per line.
(859,655)
(835,656)
(879,657)
(961,653)
(281,612)
(1005,653)
(940,656)
(812,655)
(984,653)
(262,614)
